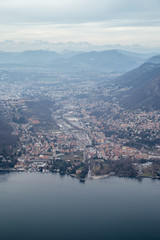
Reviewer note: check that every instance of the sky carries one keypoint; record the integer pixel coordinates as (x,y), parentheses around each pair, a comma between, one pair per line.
(99,22)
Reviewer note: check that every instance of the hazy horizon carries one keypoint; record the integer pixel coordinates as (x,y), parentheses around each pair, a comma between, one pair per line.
(81,46)
(98,22)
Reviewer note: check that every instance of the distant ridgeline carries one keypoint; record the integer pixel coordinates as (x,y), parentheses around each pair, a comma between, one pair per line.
(72,61)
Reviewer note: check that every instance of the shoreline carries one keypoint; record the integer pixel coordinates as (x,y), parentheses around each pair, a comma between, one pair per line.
(12,170)
(101,176)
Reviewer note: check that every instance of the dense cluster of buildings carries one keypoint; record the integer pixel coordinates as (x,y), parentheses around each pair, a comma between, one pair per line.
(87,126)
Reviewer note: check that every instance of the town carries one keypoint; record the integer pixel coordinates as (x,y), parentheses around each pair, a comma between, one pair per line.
(67,124)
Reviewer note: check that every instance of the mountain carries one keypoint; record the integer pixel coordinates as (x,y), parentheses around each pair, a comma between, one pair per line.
(8,142)
(107,61)
(19,46)
(110,61)
(142,86)
(154,59)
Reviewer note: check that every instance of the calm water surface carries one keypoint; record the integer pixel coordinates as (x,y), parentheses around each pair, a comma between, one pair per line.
(36,206)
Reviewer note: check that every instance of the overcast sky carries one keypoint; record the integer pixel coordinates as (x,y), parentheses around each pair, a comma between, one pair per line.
(96,21)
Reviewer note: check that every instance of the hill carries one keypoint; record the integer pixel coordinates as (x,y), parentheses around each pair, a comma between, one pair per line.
(107,61)
(8,143)
(110,61)
(143,86)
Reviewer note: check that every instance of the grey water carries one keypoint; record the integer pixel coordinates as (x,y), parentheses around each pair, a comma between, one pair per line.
(35,206)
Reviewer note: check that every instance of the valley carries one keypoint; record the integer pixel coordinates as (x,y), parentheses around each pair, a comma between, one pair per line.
(75,123)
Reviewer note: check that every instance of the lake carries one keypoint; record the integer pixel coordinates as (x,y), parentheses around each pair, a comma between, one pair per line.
(35,206)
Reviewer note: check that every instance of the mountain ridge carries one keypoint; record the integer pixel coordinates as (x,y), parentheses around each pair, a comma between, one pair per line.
(106,61)
(144,86)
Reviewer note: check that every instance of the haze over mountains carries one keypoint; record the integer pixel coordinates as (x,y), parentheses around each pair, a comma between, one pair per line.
(111,61)
(138,88)
(14,46)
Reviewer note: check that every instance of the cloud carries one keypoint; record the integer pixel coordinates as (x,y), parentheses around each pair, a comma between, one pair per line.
(71,11)
(116,32)
(97,21)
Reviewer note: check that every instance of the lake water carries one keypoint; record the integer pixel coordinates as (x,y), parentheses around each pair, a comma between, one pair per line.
(36,206)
